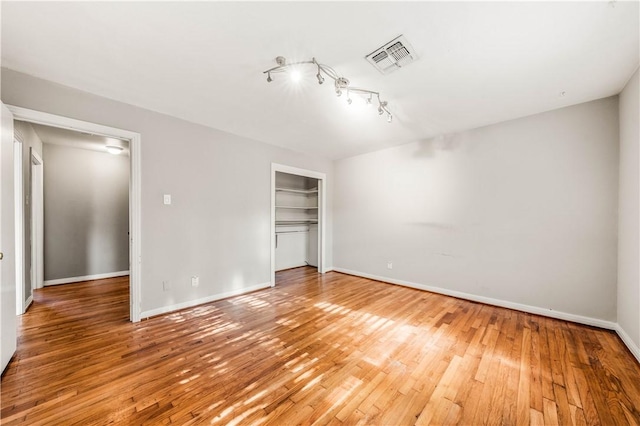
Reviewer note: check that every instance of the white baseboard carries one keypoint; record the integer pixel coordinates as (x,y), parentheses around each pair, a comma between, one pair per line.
(28,302)
(202,300)
(86,278)
(490,301)
(635,350)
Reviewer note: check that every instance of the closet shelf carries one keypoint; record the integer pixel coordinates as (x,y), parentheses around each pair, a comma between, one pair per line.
(298,191)
(296,207)
(296,221)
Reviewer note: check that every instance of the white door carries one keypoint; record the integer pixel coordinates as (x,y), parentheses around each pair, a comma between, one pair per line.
(8,338)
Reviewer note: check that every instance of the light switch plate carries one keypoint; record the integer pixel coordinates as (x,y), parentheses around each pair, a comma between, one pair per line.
(167,199)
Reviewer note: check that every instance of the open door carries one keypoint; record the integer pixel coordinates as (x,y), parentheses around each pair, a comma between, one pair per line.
(8,336)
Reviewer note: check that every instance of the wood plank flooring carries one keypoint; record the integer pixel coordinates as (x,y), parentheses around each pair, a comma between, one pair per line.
(332,349)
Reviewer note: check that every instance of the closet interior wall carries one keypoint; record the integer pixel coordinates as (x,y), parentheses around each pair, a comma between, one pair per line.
(296,221)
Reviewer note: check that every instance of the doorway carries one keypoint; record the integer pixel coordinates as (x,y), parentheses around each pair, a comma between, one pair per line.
(134,140)
(298,214)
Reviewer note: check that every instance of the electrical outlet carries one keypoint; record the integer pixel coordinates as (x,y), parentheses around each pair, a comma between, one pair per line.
(166,285)
(389,265)
(195,281)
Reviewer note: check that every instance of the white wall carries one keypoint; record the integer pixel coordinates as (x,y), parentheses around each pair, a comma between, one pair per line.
(86,212)
(523,211)
(218,226)
(629,214)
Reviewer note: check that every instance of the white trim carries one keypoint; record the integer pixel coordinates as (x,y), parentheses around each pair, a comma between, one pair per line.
(19,223)
(609,325)
(135,188)
(633,348)
(203,300)
(28,302)
(322,215)
(86,278)
(36,166)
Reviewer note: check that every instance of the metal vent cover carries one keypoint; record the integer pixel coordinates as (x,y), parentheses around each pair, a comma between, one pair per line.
(392,56)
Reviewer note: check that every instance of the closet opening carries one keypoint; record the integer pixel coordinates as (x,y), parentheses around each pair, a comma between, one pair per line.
(297,219)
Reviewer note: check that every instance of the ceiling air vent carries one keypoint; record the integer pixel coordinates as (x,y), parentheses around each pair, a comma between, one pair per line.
(392,56)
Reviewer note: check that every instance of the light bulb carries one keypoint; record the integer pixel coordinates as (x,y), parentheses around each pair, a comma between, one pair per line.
(295,76)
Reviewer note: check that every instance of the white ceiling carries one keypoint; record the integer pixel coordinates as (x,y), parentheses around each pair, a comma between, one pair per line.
(480,62)
(71,138)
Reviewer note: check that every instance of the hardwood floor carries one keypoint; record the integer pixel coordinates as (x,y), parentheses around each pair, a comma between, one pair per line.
(314,349)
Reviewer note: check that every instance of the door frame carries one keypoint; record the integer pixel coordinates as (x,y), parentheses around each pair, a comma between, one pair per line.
(135,190)
(322,185)
(18,182)
(36,202)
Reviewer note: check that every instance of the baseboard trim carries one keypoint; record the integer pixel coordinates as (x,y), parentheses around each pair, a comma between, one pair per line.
(609,325)
(86,278)
(202,300)
(633,348)
(28,303)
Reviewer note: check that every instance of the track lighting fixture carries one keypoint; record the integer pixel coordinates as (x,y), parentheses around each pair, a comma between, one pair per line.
(340,83)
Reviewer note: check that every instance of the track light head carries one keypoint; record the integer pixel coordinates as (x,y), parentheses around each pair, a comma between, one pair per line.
(295,75)
(349,101)
(380,110)
(320,77)
(338,92)
(389,118)
(269,79)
